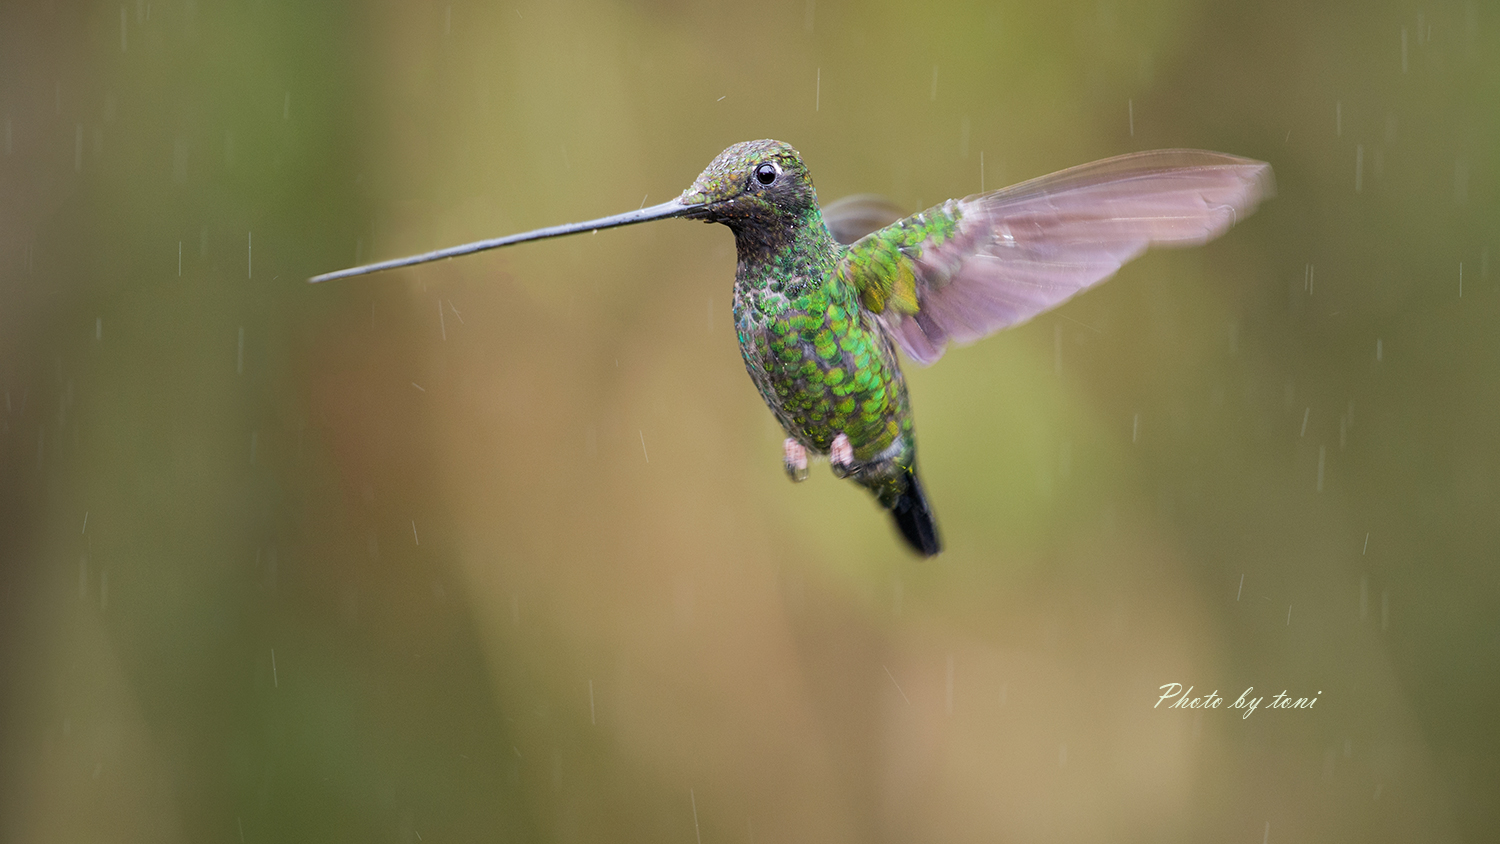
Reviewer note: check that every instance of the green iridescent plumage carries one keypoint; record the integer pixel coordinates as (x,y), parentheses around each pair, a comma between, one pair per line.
(814,349)
(881,265)
(819,321)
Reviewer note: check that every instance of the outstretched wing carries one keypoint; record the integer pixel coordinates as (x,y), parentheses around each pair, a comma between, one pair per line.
(852,217)
(970,267)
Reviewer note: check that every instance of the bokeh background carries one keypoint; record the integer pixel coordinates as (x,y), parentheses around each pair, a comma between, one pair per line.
(500,549)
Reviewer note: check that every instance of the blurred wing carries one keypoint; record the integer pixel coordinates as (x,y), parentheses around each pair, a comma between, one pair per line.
(853,217)
(970,267)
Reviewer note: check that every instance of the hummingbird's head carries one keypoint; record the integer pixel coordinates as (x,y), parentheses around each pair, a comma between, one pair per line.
(754,184)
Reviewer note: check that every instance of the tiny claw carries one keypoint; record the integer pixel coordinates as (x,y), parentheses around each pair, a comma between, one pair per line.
(794,458)
(841,456)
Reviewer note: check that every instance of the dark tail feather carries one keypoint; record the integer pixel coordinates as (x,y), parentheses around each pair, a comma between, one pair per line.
(915,519)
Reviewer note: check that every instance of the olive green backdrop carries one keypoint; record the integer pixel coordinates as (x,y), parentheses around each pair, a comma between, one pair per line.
(501,550)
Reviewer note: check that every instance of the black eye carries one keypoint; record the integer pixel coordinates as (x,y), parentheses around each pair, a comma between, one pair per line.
(766,174)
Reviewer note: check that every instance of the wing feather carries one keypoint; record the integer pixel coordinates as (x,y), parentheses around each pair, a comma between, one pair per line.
(852,217)
(997,259)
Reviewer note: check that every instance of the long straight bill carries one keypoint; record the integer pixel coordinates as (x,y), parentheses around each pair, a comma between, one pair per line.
(675,208)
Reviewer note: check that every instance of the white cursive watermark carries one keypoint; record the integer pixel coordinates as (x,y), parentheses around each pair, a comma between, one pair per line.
(1245,703)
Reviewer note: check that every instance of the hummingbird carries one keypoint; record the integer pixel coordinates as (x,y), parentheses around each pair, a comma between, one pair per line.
(823,297)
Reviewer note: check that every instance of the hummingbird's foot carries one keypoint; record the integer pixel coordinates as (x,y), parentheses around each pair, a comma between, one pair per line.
(841,456)
(794,458)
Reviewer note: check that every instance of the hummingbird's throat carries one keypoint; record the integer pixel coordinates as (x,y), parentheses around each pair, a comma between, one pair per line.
(783,235)
(785,258)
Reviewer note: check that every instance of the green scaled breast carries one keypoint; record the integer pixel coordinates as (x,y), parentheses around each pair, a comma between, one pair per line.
(820,360)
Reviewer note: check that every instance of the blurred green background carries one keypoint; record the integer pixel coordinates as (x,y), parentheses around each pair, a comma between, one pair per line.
(501,548)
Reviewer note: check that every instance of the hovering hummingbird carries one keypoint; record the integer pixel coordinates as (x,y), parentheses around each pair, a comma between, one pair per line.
(824,297)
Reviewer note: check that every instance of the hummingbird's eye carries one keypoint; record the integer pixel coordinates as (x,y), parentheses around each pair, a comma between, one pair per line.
(766,174)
